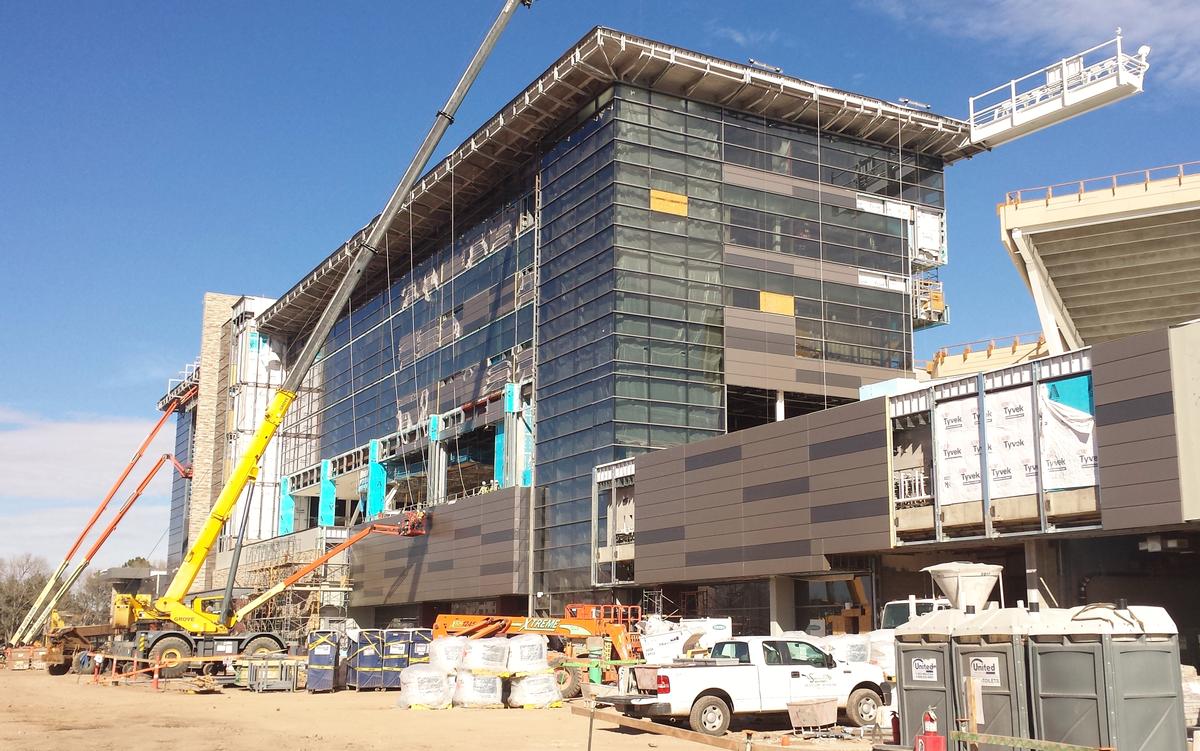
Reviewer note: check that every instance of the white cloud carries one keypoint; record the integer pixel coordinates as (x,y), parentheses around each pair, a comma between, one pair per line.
(1048,30)
(75,458)
(743,37)
(49,532)
(56,471)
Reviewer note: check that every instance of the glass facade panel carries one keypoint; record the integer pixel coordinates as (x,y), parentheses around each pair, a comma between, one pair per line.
(630,298)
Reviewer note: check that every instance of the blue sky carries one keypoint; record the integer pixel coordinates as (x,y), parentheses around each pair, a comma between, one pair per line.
(152,151)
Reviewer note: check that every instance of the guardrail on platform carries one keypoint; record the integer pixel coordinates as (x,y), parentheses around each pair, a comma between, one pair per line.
(1109,182)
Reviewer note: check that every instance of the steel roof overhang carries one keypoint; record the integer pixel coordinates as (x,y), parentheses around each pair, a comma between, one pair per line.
(602,57)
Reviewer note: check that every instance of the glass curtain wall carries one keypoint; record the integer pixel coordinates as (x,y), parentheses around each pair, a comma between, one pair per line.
(177,534)
(393,359)
(632,296)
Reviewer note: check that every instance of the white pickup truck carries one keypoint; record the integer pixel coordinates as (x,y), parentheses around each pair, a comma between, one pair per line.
(752,675)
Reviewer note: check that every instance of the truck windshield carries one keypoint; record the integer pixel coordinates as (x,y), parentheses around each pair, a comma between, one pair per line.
(734,650)
(896,613)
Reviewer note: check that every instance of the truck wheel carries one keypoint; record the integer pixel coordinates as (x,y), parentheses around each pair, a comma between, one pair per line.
(710,715)
(170,652)
(259,645)
(58,668)
(864,707)
(567,678)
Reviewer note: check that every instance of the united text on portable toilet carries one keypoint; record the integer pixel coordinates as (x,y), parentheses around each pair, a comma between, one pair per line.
(925,671)
(366,660)
(396,642)
(323,653)
(1105,676)
(989,647)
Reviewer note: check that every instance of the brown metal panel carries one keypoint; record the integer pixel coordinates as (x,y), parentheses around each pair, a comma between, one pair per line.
(1140,517)
(1106,353)
(1133,367)
(778,533)
(1136,452)
(850,510)
(847,463)
(1133,388)
(660,535)
(789,511)
(1149,493)
(793,461)
(866,491)
(1140,408)
(715,512)
(715,477)
(816,376)
(1135,473)
(652,514)
(847,428)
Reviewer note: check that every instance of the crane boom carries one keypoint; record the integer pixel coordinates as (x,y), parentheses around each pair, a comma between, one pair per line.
(25,632)
(257,602)
(171,605)
(69,582)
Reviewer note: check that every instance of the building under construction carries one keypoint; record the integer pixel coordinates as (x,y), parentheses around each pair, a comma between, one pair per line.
(649,332)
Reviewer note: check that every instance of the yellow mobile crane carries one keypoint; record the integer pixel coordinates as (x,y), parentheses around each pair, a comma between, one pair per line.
(196,630)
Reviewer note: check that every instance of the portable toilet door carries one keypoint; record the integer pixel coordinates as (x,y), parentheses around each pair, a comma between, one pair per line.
(989,648)
(418,650)
(395,655)
(1107,677)
(925,675)
(322,649)
(368,659)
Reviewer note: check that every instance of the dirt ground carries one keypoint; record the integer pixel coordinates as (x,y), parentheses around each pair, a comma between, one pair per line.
(38,711)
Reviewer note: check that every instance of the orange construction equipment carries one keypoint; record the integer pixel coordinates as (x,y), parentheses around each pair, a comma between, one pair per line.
(26,631)
(39,620)
(413,526)
(614,623)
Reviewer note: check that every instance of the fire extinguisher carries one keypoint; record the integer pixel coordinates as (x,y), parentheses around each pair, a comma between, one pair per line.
(929,739)
(895,728)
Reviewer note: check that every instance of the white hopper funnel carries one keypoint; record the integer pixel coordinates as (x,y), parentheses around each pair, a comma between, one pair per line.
(966,584)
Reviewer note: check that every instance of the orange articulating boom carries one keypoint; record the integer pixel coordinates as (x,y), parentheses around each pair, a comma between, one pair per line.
(69,582)
(24,632)
(414,525)
(578,622)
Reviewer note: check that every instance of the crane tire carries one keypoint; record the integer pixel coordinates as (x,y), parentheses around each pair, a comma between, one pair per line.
(259,645)
(171,652)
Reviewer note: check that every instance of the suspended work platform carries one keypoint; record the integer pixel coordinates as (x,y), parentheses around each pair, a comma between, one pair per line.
(1072,86)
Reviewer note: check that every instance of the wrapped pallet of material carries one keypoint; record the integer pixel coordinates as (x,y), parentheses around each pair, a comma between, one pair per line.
(537,691)
(476,690)
(424,686)
(527,653)
(486,656)
(446,653)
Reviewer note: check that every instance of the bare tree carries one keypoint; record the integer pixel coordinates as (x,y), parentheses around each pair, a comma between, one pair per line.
(22,577)
(90,601)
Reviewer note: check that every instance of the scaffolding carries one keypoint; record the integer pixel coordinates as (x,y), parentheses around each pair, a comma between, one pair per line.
(302,607)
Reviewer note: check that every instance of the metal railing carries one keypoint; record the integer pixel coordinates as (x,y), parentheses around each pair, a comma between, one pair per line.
(1068,75)
(911,488)
(1144,177)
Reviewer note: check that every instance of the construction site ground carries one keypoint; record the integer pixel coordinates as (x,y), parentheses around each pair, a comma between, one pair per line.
(68,712)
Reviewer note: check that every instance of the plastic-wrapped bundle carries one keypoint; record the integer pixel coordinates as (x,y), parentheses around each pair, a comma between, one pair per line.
(486,655)
(883,650)
(446,653)
(848,647)
(535,691)
(473,690)
(426,687)
(527,654)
